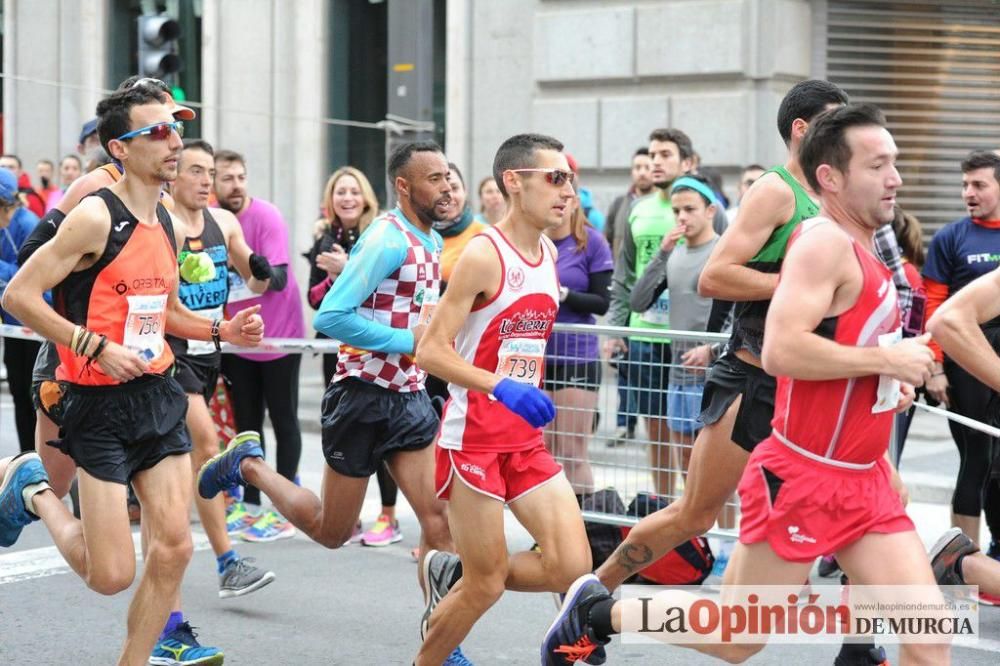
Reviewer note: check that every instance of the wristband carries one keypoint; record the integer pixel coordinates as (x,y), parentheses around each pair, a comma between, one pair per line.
(100,348)
(216,334)
(83,343)
(77,331)
(937,374)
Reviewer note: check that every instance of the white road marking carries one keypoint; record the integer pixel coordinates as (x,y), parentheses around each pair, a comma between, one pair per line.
(47,561)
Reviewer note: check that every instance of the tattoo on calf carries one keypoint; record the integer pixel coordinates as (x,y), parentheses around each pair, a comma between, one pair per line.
(634,556)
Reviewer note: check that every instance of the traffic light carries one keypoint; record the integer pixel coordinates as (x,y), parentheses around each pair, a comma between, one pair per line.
(158,46)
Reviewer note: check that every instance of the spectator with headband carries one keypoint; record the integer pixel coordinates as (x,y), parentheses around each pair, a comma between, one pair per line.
(677,266)
(649,220)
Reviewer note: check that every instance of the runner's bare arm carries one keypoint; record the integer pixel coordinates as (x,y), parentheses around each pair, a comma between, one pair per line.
(246,329)
(475,278)
(180,231)
(239,251)
(956,327)
(820,277)
(767,204)
(81,187)
(77,244)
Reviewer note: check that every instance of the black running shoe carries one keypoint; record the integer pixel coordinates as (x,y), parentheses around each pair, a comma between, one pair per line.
(570,638)
(861,654)
(828,567)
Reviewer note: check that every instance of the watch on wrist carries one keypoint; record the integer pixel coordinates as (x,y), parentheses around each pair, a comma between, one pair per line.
(216,334)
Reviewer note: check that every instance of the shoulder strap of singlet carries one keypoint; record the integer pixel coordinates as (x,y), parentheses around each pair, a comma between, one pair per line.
(112,170)
(801,195)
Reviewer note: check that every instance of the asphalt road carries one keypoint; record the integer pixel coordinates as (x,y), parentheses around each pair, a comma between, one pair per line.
(351,606)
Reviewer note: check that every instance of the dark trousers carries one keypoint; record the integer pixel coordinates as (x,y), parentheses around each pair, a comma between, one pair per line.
(274,385)
(19,359)
(970,397)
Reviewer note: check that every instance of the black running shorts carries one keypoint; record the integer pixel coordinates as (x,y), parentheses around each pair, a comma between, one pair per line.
(198,374)
(364,423)
(580,375)
(113,432)
(730,377)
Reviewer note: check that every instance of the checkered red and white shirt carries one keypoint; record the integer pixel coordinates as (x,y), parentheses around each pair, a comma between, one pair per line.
(396,302)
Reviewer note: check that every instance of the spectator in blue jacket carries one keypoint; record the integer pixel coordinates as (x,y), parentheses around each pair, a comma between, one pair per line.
(16,222)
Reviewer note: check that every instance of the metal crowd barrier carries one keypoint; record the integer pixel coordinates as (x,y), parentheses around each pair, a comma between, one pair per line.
(596,396)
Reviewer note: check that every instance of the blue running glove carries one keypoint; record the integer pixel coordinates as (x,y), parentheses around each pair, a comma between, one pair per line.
(527,401)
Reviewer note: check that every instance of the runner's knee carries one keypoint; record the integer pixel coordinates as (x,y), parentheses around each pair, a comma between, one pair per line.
(562,569)
(170,552)
(484,591)
(697,519)
(205,444)
(111,578)
(332,538)
(737,653)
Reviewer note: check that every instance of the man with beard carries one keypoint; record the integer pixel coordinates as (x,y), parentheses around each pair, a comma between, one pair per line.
(112,268)
(648,366)
(264,380)
(960,253)
(376,408)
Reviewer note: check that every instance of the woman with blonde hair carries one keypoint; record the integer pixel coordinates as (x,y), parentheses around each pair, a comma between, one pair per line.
(349,206)
(572,360)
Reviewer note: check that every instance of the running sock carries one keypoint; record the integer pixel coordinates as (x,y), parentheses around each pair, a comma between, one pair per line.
(599,618)
(223,560)
(28,495)
(176,617)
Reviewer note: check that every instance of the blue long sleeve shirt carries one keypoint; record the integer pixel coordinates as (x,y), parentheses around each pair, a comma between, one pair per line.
(378,253)
(11,238)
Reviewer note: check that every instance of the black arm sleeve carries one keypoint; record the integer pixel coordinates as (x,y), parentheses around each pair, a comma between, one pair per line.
(596,299)
(316,274)
(279,278)
(717,317)
(44,231)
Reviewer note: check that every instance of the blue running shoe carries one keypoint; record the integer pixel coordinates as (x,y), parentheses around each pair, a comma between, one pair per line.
(23,470)
(222,471)
(571,638)
(181,648)
(456,658)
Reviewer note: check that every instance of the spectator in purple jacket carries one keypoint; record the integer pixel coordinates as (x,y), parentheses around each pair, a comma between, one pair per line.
(572,360)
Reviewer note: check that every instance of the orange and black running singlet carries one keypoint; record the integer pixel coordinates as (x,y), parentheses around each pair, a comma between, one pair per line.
(123,295)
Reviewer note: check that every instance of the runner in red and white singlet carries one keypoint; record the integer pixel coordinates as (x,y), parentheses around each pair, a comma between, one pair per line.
(505,335)
(487,339)
(821,483)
